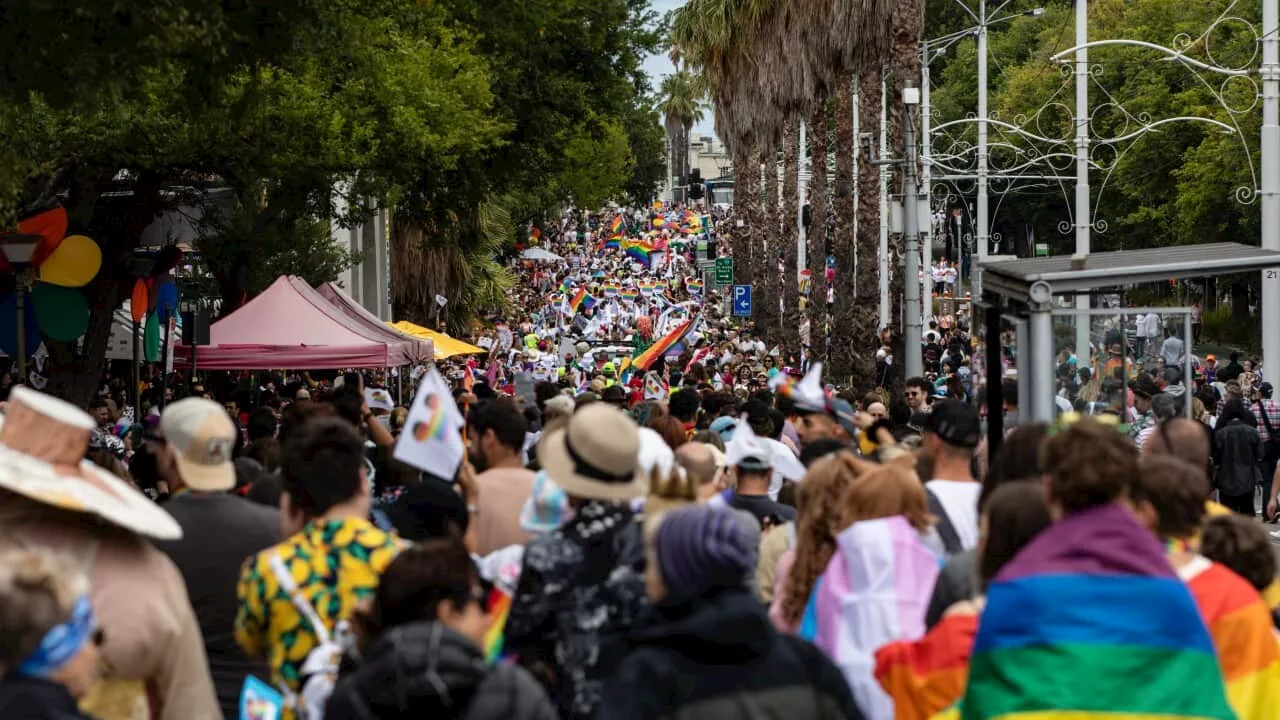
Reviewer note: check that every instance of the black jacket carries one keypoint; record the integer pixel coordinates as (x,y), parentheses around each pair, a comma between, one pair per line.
(1236,451)
(24,698)
(426,670)
(720,657)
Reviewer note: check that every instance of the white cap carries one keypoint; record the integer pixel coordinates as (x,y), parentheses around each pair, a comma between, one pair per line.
(202,438)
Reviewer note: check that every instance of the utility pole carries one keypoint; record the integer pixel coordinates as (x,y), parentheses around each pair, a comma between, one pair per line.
(1269,308)
(910,198)
(983,222)
(884,206)
(1083,211)
(926,179)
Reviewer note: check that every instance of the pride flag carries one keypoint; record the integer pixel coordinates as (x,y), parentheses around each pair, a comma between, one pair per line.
(610,290)
(646,287)
(927,676)
(615,228)
(577,301)
(1239,623)
(499,609)
(1090,621)
(637,250)
(629,293)
(693,285)
(662,345)
(588,302)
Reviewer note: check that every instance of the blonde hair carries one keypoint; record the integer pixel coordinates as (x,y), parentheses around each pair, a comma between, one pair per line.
(38,589)
(820,500)
(889,490)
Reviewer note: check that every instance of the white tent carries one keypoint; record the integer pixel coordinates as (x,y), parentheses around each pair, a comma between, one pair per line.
(539,254)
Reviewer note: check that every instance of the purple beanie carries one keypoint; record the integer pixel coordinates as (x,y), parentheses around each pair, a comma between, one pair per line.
(702,548)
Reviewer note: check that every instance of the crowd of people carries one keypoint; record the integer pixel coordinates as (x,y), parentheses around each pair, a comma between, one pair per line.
(658,515)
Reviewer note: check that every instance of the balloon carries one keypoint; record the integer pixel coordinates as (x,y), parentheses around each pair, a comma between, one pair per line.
(166,299)
(138,301)
(51,225)
(63,313)
(73,264)
(9,325)
(151,338)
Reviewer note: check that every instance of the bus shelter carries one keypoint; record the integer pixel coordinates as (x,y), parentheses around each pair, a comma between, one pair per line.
(1032,291)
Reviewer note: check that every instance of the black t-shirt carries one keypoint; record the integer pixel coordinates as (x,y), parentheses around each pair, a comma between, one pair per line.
(762,507)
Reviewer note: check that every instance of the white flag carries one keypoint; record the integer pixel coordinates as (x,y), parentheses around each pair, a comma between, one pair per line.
(432,437)
(442,300)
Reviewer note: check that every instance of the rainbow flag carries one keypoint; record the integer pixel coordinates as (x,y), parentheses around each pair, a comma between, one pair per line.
(693,285)
(638,251)
(658,221)
(629,293)
(610,290)
(1090,621)
(499,605)
(926,676)
(1239,623)
(615,228)
(577,301)
(661,286)
(642,361)
(646,287)
(588,302)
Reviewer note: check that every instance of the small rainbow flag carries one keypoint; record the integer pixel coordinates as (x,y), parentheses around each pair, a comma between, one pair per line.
(1090,621)
(588,302)
(926,676)
(646,287)
(616,226)
(577,301)
(661,286)
(610,290)
(629,293)
(499,605)
(662,345)
(693,285)
(611,243)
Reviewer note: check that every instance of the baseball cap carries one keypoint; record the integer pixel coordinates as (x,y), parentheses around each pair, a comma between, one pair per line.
(202,438)
(844,414)
(955,423)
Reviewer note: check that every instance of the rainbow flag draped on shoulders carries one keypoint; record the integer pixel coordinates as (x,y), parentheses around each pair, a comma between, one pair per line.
(1240,625)
(926,676)
(1090,621)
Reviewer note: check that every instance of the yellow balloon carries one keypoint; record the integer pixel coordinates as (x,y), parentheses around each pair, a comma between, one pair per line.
(74,263)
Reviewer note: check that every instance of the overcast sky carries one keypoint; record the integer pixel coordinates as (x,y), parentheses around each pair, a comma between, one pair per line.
(659,66)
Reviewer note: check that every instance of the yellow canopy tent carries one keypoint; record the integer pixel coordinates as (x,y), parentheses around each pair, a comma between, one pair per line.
(445,346)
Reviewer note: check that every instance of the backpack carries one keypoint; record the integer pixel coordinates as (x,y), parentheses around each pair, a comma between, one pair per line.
(319,672)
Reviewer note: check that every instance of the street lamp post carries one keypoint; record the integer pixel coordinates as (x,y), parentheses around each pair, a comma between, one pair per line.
(914,365)
(1269,308)
(1083,213)
(18,249)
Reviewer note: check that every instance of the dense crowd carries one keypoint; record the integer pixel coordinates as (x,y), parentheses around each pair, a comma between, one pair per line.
(658,515)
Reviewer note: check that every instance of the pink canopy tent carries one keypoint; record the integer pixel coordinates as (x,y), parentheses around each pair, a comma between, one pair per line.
(287,329)
(423,350)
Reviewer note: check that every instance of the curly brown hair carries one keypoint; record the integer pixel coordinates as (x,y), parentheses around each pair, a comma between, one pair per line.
(1089,464)
(1241,544)
(820,518)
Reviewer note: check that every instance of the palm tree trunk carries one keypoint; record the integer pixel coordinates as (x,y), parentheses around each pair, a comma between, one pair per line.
(768,318)
(746,206)
(817,234)
(789,235)
(866,315)
(844,335)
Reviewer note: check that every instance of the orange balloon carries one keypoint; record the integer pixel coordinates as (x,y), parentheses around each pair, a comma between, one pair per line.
(138,302)
(73,264)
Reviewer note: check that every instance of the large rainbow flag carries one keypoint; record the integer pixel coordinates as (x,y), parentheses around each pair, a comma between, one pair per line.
(576,303)
(638,250)
(642,361)
(1240,625)
(1090,621)
(926,676)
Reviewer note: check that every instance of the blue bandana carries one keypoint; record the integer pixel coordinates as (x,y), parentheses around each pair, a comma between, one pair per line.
(62,642)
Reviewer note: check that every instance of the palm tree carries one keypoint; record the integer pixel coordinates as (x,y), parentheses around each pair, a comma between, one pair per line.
(846,336)
(789,235)
(767,317)
(819,137)
(681,106)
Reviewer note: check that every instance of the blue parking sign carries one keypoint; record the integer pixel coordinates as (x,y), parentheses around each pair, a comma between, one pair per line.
(741,300)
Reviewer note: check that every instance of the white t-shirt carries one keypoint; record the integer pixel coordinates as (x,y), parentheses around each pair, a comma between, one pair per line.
(959,499)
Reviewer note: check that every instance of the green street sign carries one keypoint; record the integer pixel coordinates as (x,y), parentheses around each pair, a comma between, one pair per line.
(724,271)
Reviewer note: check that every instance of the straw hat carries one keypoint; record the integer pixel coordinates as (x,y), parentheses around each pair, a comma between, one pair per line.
(595,456)
(42,446)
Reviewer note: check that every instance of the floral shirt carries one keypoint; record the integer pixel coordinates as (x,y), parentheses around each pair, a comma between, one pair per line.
(335,565)
(580,590)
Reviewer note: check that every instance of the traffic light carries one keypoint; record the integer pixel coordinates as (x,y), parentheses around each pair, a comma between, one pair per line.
(695,184)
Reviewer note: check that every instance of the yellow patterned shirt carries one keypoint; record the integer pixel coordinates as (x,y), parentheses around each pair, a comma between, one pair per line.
(335,564)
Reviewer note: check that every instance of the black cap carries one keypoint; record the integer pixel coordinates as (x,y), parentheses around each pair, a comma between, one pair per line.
(955,423)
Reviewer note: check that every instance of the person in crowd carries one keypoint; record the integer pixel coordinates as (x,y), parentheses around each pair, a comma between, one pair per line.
(49,636)
(951,434)
(1241,545)
(497,436)
(219,531)
(1163,409)
(917,395)
(1094,573)
(752,459)
(1144,388)
(152,650)
(1012,414)
(1232,370)
(881,569)
(710,652)
(927,675)
(819,521)
(1236,451)
(704,464)
(1017,461)
(263,445)
(426,629)
(1172,349)
(684,406)
(582,586)
(295,595)
(1168,497)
